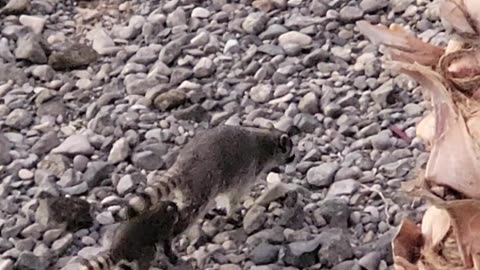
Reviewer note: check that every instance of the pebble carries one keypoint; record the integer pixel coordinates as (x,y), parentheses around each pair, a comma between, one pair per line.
(119,152)
(35,23)
(322,175)
(74,145)
(261,93)
(255,22)
(350,13)
(19,119)
(296,38)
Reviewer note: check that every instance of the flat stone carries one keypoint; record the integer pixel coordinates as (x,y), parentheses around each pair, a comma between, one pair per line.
(255,22)
(294,37)
(33,22)
(74,145)
(322,175)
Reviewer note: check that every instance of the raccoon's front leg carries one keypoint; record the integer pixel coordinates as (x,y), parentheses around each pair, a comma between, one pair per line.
(234,204)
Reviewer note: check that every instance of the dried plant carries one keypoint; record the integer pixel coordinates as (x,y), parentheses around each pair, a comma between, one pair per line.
(449,234)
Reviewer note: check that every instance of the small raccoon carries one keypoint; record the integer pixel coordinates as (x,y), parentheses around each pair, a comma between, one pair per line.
(220,162)
(135,241)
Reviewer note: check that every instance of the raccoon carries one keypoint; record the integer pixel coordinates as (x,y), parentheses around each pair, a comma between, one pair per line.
(135,243)
(220,162)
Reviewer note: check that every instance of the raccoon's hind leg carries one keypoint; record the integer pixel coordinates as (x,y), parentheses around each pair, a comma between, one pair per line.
(169,253)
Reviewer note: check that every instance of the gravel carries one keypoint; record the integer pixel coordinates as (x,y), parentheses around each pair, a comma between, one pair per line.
(96,95)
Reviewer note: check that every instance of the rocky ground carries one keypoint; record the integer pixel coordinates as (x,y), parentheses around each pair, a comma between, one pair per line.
(95,95)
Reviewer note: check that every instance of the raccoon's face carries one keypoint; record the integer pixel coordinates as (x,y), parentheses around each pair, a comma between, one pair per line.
(280,151)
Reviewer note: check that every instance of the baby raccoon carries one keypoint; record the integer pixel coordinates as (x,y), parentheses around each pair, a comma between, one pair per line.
(135,241)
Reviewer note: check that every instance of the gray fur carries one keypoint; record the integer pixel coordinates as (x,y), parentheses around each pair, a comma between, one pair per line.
(135,241)
(222,161)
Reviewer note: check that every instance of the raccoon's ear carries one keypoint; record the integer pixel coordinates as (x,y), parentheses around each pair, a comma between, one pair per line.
(285,144)
(172,207)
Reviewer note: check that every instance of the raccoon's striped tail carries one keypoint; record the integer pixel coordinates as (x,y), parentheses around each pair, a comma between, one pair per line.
(101,262)
(105,262)
(151,195)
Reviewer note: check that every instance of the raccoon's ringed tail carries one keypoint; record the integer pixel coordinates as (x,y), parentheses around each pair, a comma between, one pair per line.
(150,196)
(103,262)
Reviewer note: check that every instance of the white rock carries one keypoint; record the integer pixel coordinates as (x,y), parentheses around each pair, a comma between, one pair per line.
(261,93)
(125,185)
(33,22)
(294,37)
(200,12)
(120,151)
(75,145)
(25,174)
(102,42)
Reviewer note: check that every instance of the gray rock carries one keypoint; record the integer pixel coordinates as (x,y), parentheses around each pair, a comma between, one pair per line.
(347,265)
(74,56)
(144,56)
(381,141)
(254,219)
(255,22)
(398,6)
(74,145)
(309,103)
(47,142)
(60,245)
(273,31)
(350,13)
(322,175)
(5,52)
(28,261)
(332,110)
(399,168)
(343,187)
(381,94)
(5,245)
(314,57)
(180,75)
(43,72)
(296,38)
(203,68)
(229,267)
(261,93)
(105,218)
(231,46)
(373,5)
(5,146)
(119,152)
(170,52)
(125,185)
(19,119)
(170,100)
(96,172)
(29,48)
(176,18)
(55,164)
(302,254)
(335,247)
(335,211)
(413,110)
(35,23)
(200,12)
(370,261)
(6,264)
(102,43)
(264,253)
(16,7)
